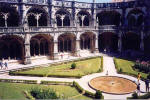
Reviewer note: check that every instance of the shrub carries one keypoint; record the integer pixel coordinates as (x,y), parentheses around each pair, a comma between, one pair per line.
(134,95)
(98,94)
(148,76)
(121,70)
(73,66)
(44,93)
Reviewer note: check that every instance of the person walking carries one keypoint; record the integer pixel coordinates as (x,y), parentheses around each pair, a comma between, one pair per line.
(147,85)
(6,65)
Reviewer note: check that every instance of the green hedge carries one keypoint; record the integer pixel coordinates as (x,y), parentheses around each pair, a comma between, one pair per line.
(81,90)
(146,96)
(56,83)
(28,95)
(19,81)
(102,64)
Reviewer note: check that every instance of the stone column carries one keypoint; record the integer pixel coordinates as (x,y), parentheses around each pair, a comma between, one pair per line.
(120,42)
(77,47)
(142,42)
(96,44)
(55,49)
(27,59)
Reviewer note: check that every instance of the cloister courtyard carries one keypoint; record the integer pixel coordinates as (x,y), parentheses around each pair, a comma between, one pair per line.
(92,73)
(70,49)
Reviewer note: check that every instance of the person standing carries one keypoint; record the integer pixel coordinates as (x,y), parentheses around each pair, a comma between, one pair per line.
(138,89)
(147,85)
(139,77)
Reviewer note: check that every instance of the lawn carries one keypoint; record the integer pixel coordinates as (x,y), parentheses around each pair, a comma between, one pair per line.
(127,67)
(15,90)
(84,67)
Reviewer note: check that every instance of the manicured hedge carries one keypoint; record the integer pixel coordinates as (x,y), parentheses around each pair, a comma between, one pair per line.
(146,96)
(28,95)
(142,67)
(81,90)
(19,81)
(102,64)
(56,83)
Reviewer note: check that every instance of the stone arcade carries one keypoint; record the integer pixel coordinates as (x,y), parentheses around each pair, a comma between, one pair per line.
(30,28)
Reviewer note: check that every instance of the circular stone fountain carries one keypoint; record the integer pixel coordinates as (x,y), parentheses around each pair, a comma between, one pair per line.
(113,85)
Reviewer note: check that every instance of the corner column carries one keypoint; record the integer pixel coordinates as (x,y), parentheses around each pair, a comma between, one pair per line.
(27,59)
(120,42)
(96,45)
(56,49)
(77,47)
(142,42)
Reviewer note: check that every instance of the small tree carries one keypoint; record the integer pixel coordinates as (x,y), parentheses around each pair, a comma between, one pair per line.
(120,70)
(98,94)
(134,95)
(73,66)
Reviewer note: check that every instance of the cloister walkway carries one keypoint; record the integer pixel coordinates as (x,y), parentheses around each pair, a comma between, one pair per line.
(83,82)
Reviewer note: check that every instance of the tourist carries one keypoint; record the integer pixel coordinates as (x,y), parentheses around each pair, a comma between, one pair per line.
(6,65)
(1,65)
(138,89)
(147,85)
(139,77)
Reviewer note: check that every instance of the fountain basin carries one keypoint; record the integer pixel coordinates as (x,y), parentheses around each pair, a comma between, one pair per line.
(113,85)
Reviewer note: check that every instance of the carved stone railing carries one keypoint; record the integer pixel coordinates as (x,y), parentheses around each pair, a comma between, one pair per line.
(12,30)
(40,29)
(66,29)
(9,1)
(108,27)
(35,1)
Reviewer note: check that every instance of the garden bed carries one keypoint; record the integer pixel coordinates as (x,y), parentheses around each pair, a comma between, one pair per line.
(83,67)
(126,67)
(21,91)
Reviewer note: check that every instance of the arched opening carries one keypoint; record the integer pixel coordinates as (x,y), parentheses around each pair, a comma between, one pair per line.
(108,42)
(135,18)
(9,17)
(67,43)
(37,17)
(109,18)
(147,45)
(87,41)
(11,47)
(41,44)
(131,41)
(84,18)
(63,18)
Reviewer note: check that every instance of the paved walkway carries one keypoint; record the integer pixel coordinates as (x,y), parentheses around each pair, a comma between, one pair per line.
(108,67)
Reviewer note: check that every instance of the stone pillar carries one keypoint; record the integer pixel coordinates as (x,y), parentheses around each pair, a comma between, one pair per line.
(96,44)
(77,47)
(94,21)
(55,49)
(142,42)
(27,59)
(120,42)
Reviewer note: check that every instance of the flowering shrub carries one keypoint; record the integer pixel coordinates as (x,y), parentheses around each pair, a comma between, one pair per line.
(142,66)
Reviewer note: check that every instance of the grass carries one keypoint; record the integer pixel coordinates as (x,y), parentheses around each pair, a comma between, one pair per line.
(15,90)
(127,67)
(64,70)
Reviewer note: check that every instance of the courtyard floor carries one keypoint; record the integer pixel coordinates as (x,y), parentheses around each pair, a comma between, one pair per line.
(108,67)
